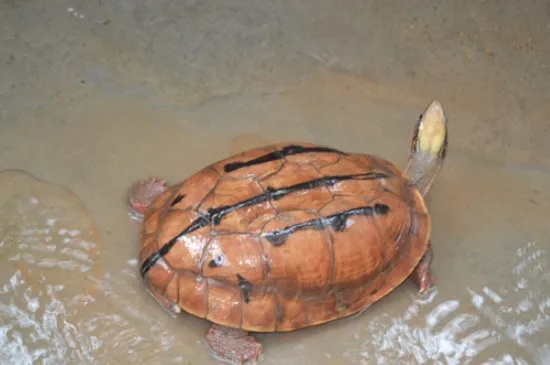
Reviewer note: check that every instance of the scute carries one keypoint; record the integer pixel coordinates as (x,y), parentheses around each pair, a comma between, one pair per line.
(291,266)
(291,176)
(285,236)
(188,251)
(260,313)
(240,194)
(190,193)
(193,294)
(230,255)
(358,260)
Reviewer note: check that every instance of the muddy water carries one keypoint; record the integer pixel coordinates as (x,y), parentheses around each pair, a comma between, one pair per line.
(95,96)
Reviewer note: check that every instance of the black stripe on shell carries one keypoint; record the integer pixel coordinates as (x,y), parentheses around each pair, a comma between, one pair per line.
(178,199)
(275,194)
(277,155)
(337,221)
(215,215)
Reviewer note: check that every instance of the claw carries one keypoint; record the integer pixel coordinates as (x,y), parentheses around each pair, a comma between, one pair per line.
(154,180)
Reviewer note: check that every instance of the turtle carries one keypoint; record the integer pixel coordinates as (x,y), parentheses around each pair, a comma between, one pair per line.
(288,235)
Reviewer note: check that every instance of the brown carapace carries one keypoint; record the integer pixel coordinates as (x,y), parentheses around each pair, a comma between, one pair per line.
(284,237)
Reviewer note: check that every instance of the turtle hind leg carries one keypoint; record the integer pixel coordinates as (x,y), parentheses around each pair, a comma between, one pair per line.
(422,274)
(233,345)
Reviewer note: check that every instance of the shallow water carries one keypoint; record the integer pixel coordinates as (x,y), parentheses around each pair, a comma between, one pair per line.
(94,96)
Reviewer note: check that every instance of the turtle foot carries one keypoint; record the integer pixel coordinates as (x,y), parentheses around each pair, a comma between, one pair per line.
(233,345)
(422,274)
(141,195)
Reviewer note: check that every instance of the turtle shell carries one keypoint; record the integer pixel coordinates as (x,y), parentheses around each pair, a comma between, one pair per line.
(283,237)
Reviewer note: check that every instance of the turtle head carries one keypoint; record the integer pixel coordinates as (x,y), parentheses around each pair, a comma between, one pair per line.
(141,195)
(428,147)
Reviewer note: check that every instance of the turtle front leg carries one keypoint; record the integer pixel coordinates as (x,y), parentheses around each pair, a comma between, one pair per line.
(233,345)
(422,274)
(141,195)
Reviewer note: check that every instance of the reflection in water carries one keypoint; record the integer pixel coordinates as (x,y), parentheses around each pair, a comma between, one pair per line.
(38,328)
(50,249)
(125,335)
(57,308)
(516,317)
